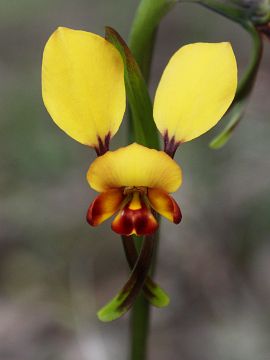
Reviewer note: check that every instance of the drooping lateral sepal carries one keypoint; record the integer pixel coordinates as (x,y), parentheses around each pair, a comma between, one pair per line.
(164,204)
(104,206)
(151,290)
(122,302)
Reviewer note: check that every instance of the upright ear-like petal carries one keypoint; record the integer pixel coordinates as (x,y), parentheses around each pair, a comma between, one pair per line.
(195,90)
(83,85)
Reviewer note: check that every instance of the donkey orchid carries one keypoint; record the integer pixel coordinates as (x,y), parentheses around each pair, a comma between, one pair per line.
(83,88)
(84,92)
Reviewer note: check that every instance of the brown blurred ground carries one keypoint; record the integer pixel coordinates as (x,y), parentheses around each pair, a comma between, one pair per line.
(55,271)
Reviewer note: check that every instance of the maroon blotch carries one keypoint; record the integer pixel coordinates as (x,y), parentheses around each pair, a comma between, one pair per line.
(103,146)
(170,145)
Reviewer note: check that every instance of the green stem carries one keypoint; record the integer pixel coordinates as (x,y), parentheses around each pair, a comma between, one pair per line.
(141,41)
(143,31)
(139,329)
(247,81)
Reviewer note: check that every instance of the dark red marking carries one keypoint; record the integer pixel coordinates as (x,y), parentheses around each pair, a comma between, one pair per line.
(103,145)
(177,215)
(141,221)
(170,145)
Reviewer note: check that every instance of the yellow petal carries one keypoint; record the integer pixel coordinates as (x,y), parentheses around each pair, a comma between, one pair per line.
(195,90)
(134,165)
(83,85)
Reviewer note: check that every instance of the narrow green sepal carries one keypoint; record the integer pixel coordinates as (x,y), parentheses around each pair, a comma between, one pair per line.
(155,294)
(117,308)
(114,309)
(224,136)
(145,131)
(123,301)
(151,291)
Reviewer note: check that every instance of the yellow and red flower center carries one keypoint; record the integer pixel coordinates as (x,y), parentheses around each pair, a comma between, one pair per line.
(134,205)
(135,216)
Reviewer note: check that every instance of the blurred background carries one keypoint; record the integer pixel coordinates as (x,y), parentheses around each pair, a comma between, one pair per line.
(56,271)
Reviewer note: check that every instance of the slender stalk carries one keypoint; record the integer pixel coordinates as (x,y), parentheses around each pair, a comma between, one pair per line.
(250,73)
(140,315)
(139,329)
(141,41)
(143,31)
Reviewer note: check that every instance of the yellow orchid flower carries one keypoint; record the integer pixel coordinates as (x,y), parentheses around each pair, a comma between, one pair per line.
(83,90)
(137,179)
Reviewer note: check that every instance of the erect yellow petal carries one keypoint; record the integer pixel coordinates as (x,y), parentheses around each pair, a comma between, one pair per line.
(134,165)
(195,90)
(83,85)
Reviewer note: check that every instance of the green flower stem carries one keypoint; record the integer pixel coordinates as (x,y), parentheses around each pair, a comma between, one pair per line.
(139,328)
(141,41)
(143,31)
(140,315)
(249,77)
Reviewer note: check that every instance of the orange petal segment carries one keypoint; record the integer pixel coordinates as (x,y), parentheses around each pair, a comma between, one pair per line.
(165,205)
(134,165)
(104,206)
(135,220)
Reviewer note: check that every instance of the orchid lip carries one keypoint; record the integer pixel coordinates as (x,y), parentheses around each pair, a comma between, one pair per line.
(135,217)
(136,208)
